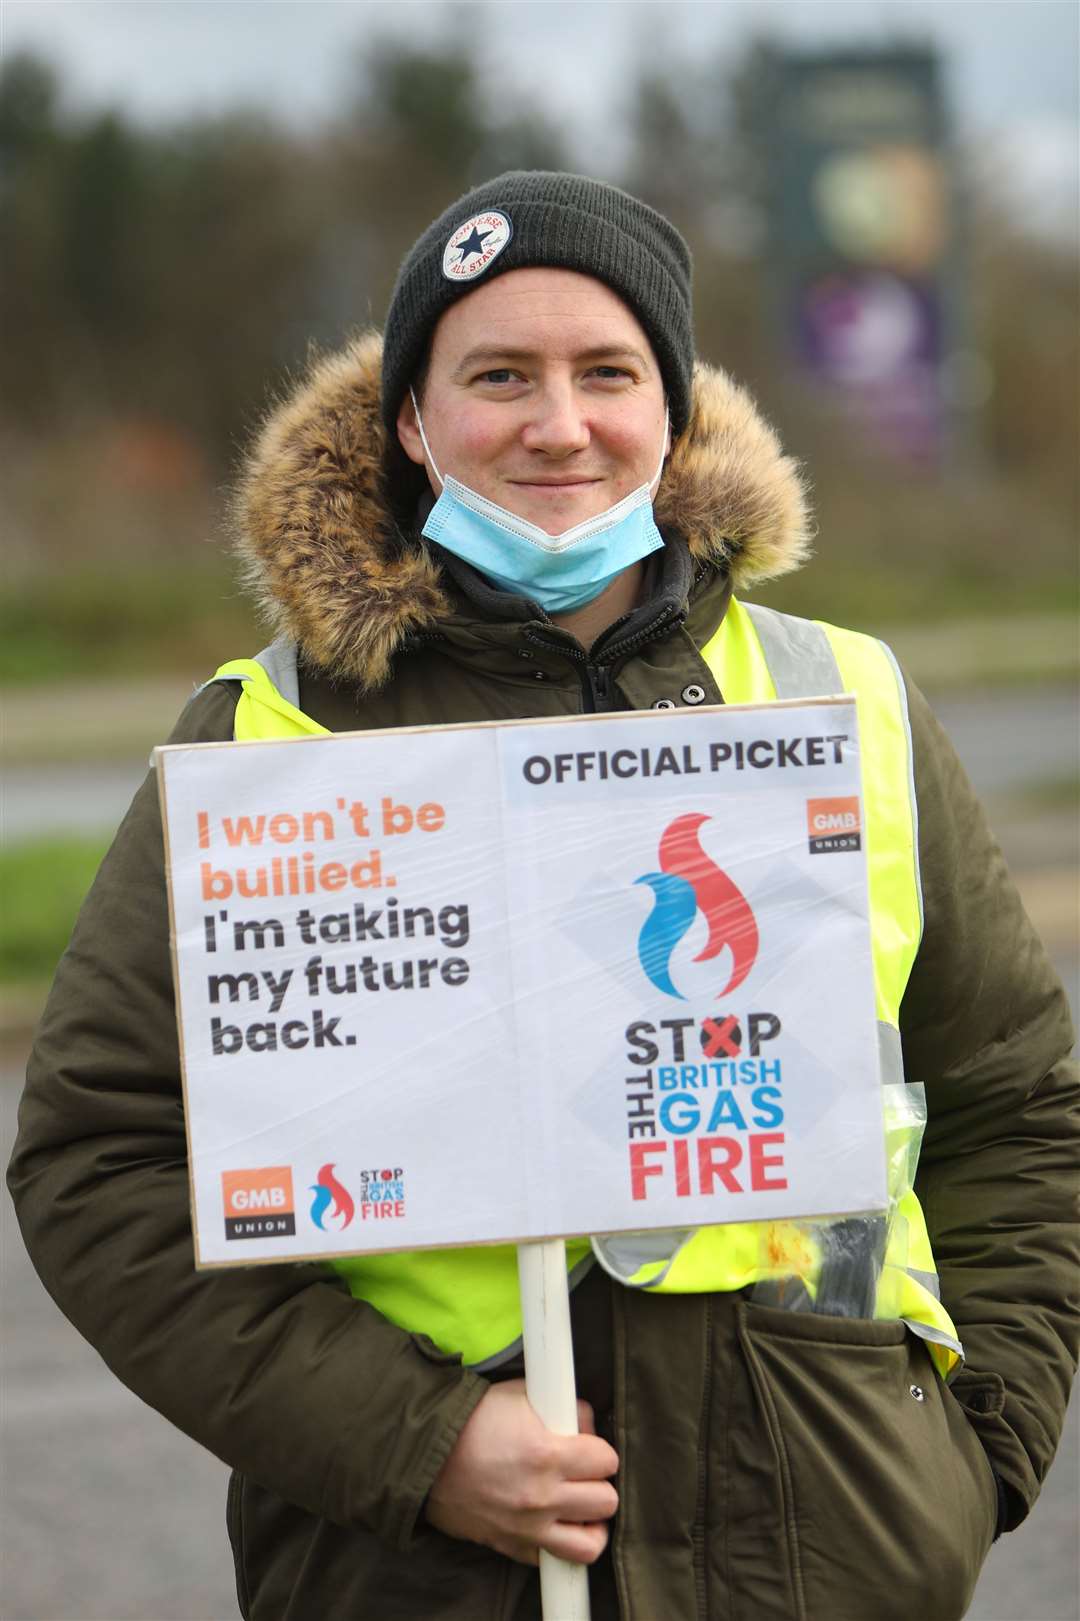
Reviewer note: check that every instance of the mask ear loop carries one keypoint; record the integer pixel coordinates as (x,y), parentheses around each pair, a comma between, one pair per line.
(427,447)
(655,480)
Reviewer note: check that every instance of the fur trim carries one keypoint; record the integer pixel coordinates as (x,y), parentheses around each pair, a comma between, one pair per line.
(314,534)
(729,490)
(320,548)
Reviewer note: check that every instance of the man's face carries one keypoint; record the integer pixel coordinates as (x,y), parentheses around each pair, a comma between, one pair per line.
(542,394)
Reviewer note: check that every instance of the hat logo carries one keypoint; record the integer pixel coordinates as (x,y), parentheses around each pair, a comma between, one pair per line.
(475,244)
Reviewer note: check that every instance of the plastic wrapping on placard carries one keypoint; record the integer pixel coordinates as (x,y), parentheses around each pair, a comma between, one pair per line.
(833,1266)
(493,984)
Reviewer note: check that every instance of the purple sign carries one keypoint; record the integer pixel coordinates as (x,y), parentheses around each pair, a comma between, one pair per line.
(876,337)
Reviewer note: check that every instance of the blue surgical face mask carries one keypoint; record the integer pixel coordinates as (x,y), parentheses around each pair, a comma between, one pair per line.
(560,572)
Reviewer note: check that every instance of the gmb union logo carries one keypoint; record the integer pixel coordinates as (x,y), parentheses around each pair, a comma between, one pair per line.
(690,882)
(332,1201)
(258,1202)
(833,824)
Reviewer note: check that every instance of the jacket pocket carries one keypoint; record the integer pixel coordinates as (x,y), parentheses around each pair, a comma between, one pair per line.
(981,1397)
(888,1500)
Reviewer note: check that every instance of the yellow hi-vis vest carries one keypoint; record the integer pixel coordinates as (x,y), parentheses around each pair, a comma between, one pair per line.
(466,1300)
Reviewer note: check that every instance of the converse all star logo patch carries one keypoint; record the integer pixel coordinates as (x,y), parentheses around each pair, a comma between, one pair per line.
(475,244)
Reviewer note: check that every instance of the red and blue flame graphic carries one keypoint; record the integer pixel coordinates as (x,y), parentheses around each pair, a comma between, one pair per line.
(331,1195)
(689,882)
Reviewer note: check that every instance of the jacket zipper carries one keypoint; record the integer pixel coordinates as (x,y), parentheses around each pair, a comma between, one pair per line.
(596,683)
(595,678)
(595,689)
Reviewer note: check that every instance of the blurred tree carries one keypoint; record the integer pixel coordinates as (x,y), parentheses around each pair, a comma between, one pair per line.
(29,98)
(231,268)
(424,102)
(418,129)
(667,162)
(687,157)
(31,226)
(1027,326)
(103,203)
(148,273)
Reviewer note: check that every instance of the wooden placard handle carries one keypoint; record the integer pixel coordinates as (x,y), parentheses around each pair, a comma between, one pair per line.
(549,1384)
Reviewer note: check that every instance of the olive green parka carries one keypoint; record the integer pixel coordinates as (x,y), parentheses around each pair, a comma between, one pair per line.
(774,1465)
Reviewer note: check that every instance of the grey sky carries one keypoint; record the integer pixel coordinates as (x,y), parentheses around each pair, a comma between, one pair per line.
(1012,65)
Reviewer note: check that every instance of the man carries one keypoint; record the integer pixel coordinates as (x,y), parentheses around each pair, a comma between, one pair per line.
(530,503)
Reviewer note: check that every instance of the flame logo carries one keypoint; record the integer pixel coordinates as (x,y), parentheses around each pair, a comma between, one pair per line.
(690,882)
(332,1195)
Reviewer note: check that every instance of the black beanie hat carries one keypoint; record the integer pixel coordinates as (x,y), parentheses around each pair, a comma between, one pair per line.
(530,217)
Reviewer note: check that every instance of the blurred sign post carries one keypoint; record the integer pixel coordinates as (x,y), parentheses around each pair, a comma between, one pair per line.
(860,224)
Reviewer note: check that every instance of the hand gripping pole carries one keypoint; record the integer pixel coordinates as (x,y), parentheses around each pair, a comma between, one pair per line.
(549,1385)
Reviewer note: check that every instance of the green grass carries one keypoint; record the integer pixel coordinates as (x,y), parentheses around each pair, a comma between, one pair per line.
(879,592)
(124,617)
(42,885)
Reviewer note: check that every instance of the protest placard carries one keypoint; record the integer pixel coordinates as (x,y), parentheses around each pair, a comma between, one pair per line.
(492,983)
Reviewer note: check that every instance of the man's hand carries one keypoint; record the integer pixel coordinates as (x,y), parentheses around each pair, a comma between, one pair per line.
(514,1486)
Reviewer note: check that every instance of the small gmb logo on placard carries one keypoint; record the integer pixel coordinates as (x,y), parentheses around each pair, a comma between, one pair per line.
(833,824)
(259,1203)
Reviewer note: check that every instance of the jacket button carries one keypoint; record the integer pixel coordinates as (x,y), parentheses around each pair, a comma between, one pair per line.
(916,1392)
(664,703)
(539,675)
(693,694)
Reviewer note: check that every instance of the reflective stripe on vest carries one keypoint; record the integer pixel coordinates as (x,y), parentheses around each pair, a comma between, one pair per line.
(467,1300)
(266,708)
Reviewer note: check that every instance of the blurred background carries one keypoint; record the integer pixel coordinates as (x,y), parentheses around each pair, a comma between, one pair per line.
(883,202)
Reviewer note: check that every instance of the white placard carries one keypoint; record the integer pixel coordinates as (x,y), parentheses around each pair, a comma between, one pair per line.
(479,984)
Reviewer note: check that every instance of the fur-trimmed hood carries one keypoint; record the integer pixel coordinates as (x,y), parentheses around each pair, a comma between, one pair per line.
(331,568)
